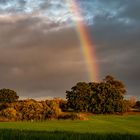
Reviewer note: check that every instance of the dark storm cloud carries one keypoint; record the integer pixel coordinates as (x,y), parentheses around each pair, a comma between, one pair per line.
(124,8)
(117,43)
(132,10)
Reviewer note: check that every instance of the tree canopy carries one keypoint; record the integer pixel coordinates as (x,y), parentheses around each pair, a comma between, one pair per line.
(8,95)
(119,85)
(103,97)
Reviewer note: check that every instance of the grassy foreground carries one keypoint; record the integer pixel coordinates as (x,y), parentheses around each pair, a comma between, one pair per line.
(98,127)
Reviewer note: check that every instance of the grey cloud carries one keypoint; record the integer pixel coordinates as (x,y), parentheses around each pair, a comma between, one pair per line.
(42,58)
(35,30)
(125,9)
(132,10)
(3,1)
(117,46)
(37,64)
(40,69)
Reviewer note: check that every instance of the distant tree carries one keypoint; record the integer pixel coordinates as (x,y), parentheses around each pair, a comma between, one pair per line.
(8,95)
(137,104)
(132,101)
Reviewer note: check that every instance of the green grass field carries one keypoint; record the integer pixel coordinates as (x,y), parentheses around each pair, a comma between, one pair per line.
(102,127)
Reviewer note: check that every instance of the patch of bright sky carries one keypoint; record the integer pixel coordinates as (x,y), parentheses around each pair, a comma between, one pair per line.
(55,9)
(59,11)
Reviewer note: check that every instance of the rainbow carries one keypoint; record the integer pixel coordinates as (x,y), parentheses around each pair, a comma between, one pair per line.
(86,45)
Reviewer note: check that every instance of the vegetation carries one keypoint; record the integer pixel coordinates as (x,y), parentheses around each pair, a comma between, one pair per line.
(137,105)
(62,135)
(30,119)
(104,97)
(119,85)
(105,127)
(8,95)
(30,110)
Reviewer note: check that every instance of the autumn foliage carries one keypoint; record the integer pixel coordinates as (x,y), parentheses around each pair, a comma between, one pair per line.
(106,96)
(30,110)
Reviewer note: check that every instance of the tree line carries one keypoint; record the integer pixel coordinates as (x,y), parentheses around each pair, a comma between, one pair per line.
(102,97)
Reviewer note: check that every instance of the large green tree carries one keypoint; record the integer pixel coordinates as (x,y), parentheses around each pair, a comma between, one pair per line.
(78,97)
(8,95)
(104,97)
(119,85)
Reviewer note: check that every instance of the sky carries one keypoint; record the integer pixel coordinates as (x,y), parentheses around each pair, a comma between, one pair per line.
(40,51)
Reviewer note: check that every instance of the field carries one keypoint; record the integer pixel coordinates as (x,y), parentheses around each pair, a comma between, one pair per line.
(97,127)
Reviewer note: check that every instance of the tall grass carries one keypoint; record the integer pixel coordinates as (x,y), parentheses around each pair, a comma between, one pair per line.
(7,134)
(97,127)
(95,124)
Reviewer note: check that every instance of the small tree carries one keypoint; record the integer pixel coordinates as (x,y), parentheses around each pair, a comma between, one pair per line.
(8,95)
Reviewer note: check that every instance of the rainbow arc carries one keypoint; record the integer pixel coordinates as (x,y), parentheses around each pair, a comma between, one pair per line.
(86,45)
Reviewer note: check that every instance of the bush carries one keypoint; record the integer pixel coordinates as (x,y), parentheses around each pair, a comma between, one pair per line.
(3,106)
(71,116)
(9,113)
(63,105)
(30,110)
(54,108)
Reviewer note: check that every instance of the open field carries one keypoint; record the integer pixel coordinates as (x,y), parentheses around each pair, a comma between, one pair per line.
(97,127)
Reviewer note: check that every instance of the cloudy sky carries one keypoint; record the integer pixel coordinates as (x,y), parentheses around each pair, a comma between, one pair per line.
(40,53)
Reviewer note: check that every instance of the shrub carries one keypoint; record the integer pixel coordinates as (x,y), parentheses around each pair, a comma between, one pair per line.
(137,104)
(71,116)
(10,113)
(63,105)
(54,107)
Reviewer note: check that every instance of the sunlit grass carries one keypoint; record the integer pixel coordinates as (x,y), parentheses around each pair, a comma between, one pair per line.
(103,126)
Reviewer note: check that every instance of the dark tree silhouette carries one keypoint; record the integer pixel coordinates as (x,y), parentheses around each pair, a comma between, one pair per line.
(8,95)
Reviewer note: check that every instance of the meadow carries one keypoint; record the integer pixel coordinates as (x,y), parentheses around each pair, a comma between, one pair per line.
(97,127)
